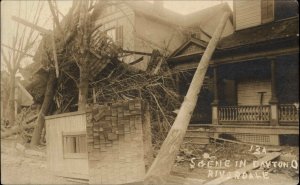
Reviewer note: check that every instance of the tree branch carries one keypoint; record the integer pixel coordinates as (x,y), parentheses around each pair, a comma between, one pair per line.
(55,18)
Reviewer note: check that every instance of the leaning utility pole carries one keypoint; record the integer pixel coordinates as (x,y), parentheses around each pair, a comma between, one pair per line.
(163,163)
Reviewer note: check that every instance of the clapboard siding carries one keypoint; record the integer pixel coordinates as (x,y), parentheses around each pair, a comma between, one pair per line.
(247,13)
(56,162)
(247,92)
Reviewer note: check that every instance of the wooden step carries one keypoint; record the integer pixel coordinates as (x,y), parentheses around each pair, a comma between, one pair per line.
(196,133)
(196,139)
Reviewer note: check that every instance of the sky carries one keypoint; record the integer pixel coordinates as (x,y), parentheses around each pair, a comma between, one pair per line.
(10,8)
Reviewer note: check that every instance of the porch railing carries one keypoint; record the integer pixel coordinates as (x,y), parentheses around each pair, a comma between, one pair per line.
(288,113)
(244,113)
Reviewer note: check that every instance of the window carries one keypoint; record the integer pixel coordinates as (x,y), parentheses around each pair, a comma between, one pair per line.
(74,144)
(116,34)
(267,11)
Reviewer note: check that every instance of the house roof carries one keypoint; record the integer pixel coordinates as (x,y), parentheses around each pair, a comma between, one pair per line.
(149,9)
(169,16)
(272,36)
(262,33)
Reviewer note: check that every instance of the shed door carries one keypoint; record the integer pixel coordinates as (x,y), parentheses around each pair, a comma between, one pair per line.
(249,92)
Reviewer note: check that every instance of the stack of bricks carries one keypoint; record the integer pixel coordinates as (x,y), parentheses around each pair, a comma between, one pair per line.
(115,143)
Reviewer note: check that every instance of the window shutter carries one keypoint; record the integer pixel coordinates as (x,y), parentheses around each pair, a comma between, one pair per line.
(119,36)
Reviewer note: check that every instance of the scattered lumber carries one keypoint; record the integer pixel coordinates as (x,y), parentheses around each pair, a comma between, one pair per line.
(268,157)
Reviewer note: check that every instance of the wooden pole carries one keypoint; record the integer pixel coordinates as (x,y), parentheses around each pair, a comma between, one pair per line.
(31,25)
(163,163)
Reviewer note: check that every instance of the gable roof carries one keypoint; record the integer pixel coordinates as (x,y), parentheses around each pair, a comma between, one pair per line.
(193,45)
(207,19)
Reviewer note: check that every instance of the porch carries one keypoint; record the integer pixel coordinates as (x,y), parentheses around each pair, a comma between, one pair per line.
(254,102)
(288,114)
(265,93)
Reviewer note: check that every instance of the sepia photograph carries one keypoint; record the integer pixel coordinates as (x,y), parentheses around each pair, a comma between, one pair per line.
(161,92)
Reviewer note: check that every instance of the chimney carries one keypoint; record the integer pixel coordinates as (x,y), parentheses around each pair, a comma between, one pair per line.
(158,5)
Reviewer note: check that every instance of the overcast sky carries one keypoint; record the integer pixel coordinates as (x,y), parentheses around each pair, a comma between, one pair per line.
(10,8)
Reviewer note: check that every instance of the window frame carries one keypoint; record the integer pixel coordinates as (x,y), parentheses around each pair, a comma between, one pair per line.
(118,31)
(71,155)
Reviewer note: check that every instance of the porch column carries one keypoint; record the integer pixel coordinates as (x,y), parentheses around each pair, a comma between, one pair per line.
(274,101)
(214,104)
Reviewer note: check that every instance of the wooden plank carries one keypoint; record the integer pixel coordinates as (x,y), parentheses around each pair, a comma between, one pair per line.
(268,157)
(137,52)
(137,61)
(274,130)
(64,115)
(232,141)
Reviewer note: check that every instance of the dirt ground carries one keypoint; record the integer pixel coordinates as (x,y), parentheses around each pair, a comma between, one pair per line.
(19,168)
(235,152)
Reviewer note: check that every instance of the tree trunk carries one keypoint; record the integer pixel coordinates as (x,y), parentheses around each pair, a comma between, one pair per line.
(12,98)
(163,163)
(84,28)
(83,86)
(49,93)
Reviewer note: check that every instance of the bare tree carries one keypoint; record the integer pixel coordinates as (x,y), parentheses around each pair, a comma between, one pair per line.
(76,23)
(14,53)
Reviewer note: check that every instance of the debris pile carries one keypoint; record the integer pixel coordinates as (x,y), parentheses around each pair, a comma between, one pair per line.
(82,65)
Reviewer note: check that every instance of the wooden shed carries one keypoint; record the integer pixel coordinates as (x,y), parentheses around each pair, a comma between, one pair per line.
(67,147)
(107,144)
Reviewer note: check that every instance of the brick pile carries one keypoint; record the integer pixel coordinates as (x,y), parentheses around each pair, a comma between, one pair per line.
(116,143)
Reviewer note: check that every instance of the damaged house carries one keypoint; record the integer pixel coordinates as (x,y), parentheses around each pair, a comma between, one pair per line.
(252,81)
(85,139)
(249,90)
